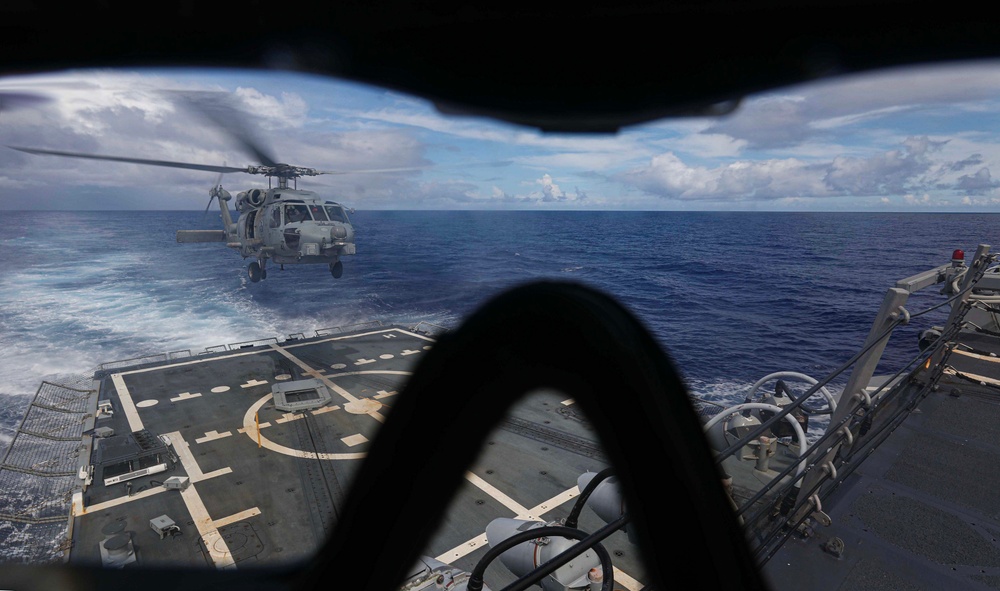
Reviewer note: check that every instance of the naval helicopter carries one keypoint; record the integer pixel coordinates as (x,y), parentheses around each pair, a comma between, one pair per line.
(282,223)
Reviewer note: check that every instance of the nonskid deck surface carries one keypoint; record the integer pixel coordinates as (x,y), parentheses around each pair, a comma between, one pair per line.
(266,484)
(921,512)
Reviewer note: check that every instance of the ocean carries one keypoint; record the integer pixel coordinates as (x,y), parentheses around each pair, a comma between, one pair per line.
(730,296)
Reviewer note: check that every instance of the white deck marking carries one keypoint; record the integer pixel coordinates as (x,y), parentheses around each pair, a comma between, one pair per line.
(409,352)
(364,361)
(463,549)
(217,548)
(212,436)
(253,383)
(373,413)
(183,451)
(134,422)
(283,377)
(338,366)
(626,581)
(122,500)
(389,336)
(253,511)
(534,513)
(568,402)
(325,409)
(249,353)
(977,355)
(498,495)
(386,356)
(559,499)
(185,396)
(220,389)
(147,403)
(253,428)
(289,417)
(382,394)
(953,372)
(250,430)
(352,440)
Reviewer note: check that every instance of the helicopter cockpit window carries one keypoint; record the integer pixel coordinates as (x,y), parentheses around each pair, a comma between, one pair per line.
(275,219)
(296,213)
(317,213)
(336,213)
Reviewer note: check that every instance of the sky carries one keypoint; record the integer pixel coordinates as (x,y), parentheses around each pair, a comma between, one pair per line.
(914,139)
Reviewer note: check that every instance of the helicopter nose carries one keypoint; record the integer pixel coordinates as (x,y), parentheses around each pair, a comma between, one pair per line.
(338,232)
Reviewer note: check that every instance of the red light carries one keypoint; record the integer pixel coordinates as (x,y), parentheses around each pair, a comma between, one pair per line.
(958,255)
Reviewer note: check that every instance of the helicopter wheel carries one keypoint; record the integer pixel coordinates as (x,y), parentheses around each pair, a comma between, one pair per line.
(255,272)
(337,269)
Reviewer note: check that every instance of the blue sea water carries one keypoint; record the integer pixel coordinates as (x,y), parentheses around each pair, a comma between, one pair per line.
(731,296)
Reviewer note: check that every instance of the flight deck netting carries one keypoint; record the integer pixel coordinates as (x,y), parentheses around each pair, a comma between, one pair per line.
(39,474)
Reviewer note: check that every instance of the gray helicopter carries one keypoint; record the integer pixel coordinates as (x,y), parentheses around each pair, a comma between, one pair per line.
(282,223)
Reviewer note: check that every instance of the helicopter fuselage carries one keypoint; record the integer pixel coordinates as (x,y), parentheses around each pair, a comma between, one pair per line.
(292,227)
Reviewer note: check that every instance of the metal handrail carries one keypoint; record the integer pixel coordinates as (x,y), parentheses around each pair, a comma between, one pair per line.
(863,407)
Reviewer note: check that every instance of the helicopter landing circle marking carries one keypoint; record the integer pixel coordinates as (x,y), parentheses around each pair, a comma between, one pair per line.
(220,389)
(146,403)
(362,404)
(250,430)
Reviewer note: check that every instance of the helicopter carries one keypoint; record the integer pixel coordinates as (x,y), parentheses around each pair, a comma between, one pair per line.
(280,223)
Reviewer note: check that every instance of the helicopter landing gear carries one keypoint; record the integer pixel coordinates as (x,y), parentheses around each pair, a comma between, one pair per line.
(337,269)
(256,271)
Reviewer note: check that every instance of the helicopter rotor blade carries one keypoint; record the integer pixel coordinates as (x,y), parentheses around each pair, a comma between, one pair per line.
(167,163)
(412,168)
(373,170)
(218,108)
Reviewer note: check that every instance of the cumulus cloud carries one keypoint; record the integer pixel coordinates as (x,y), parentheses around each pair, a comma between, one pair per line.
(977,184)
(550,190)
(909,168)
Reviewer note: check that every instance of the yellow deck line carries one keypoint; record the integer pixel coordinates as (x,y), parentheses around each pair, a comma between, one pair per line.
(977,356)
(134,422)
(237,517)
(217,548)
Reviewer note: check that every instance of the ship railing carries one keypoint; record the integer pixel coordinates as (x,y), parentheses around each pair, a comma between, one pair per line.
(251,344)
(143,360)
(432,329)
(325,332)
(223,348)
(791,502)
(42,464)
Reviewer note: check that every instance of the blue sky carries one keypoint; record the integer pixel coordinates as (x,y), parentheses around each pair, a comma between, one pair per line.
(919,139)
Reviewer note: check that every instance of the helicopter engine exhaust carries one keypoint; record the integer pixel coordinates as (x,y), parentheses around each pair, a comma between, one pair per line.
(251,199)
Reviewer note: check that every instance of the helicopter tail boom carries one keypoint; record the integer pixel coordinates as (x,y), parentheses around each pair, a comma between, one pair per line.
(190,236)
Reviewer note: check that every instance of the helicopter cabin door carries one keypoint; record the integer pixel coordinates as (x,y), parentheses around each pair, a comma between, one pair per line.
(249,229)
(272,215)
